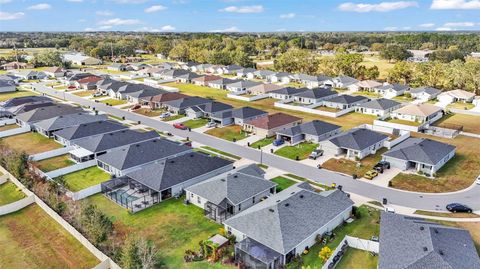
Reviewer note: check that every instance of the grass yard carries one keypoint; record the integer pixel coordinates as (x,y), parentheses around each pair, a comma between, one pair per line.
(355,258)
(461,105)
(10,95)
(31,143)
(54,163)
(327,109)
(8,127)
(445,214)
(403,98)
(282,182)
(9,193)
(85,178)
(230,133)
(174,117)
(84,93)
(113,102)
(457,174)
(29,238)
(195,123)
(404,122)
(350,167)
(300,151)
(367,94)
(262,142)
(149,112)
(222,152)
(173,226)
(470,123)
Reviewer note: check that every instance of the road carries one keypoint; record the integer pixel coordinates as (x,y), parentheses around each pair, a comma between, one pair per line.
(423,201)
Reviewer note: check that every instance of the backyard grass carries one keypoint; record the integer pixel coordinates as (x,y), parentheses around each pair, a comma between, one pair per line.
(174,117)
(149,112)
(355,258)
(222,152)
(113,102)
(367,94)
(350,167)
(84,93)
(195,123)
(457,174)
(297,152)
(262,142)
(404,122)
(29,238)
(85,178)
(54,163)
(282,182)
(8,127)
(460,105)
(347,121)
(9,193)
(10,95)
(403,98)
(171,225)
(31,143)
(327,109)
(230,133)
(470,123)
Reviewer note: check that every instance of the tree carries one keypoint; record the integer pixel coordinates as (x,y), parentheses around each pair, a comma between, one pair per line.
(179,52)
(347,64)
(446,56)
(401,72)
(139,253)
(377,47)
(48,58)
(297,61)
(96,224)
(395,52)
(325,253)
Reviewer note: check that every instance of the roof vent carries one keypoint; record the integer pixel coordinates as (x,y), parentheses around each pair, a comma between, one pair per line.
(301,196)
(223,180)
(235,176)
(191,155)
(292,192)
(422,228)
(287,204)
(435,230)
(172,161)
(271,210)
(441,252)
(278,201)
(137,145)
(425,249)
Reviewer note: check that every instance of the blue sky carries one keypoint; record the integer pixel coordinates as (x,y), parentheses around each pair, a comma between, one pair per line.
(238,15)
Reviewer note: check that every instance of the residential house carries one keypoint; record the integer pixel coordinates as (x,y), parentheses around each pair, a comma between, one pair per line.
(158,101)
(355,144)
(48,126)
(87,83)
(231,69)
(241,86)
(378,107)
(179,106)
(420,113)
(7,86)
(27,119)
(204,80)
(345,101)
(187,78)
(344,82)
(119,67)
(226,195)
(221,83)
(391,90)
(425,93)
(29,74)
(245,114)
(263,88)
(55,72)
(80,59)
(318,81)
(159,181)
(16,65)
(365,85)
(476,101)
(272,233)
(285,93)
(312,131)
(139,66)
(136,97)
(280,77)
(207,110)
(409,242)
(68,136)
(18,105)
(170,74)
(420,154)
(246,72)
(314,96)
(72,78)
(188,65)
(456,96)
(268,126)
(263,74)
(129,158)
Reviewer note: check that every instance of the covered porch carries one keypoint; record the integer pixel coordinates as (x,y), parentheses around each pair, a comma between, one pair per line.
(218,213)
(254,255)
(81,155)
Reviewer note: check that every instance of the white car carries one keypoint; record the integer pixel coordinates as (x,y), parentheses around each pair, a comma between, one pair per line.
(389,209)
(165,115)
(211,124)
(478,180)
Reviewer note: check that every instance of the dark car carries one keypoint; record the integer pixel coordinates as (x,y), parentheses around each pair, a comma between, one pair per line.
(381,166)
(456,207)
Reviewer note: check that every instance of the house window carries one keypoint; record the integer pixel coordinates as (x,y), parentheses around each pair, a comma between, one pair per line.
(199,200)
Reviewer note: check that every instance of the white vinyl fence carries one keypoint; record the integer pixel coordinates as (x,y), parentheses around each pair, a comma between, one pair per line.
(352,242)
(51,153)
(79,195)
(19,130)
(312,110)
(71,169)
(247,98)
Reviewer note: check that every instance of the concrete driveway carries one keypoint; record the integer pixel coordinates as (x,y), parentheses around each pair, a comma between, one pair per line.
(383,179)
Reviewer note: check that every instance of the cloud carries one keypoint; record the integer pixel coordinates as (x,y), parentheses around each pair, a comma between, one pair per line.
(380,7)
(455,4)
(288,16)
(427,25)
(6,16)
(230,29)
(243,9)
(42,6)
(104,13)
(105,27)
(129,1)
(75,1)
(444,29)
(459,24)
(118,21)
(155,8)
(165,28)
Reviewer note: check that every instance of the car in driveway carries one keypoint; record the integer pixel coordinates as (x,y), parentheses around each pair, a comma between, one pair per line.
(278,142)
(371,174)
(165,115)
(180,126)
(457,207)
(381,166)
(315,154)
(478,180)
(211,124)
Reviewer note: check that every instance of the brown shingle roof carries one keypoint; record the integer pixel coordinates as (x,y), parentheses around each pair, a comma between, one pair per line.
(89,79)
(273,121)
(165,97)
(207,78)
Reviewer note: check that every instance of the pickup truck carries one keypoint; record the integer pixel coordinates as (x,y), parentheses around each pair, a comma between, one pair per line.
(315,154)
(380,166)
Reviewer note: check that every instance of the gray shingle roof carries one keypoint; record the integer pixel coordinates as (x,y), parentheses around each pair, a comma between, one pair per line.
(236,187)
(357,139)
(413,243)
(188,102)
(285,219)
(428,90)
(214,107)
(90,129)
(420,150)
(395,86)
(223,81)
(48,112)
(17,101)
(381,103)
(70,120)
(173,171)
(289,91)
(315,127)
(141,153)
(346,80)
(102,142)
(347,99)
(247,112)
(243,84)
(146,92)
(316,93)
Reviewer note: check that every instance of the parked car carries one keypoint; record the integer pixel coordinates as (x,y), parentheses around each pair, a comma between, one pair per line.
(180,126)
(315,154)
(278,142)
(478,180)
(382,165)
(164,115)
(371,174)
(137,106)
(97,94)
(389,209)
(457,207)
(71,87)
(211,124)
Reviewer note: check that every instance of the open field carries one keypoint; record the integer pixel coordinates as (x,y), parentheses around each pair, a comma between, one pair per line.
(9,193)
(355,258)
(10,95)
(54,163)
(282,182)
(31,143)
(29,238)
(230,133)
(347,121)
(85,178)
(470,123)
(195,123)
(8,127)
(297,152)
(383,65)
(350,167)
(173,226)
(113,102)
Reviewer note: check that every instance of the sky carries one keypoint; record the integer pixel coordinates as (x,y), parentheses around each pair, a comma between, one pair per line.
(239,15)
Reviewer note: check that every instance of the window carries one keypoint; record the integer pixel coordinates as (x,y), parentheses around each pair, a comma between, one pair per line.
(199,200)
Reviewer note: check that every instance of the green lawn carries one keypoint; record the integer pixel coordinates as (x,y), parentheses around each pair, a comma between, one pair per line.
(149,112)
(262,142)
(469,123)
(174,117)
(113,102)
(301,151)
(461,105)
(29,238)
(85,178)
(54,163)
(367,94)
(404,122)
(222,152)
(31,143)
(10,95)
(195,123)
(403,98)
(230,133)
(84,93)
(9,193)
(282,182)
(173,226)
(8,127)
(355,258)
